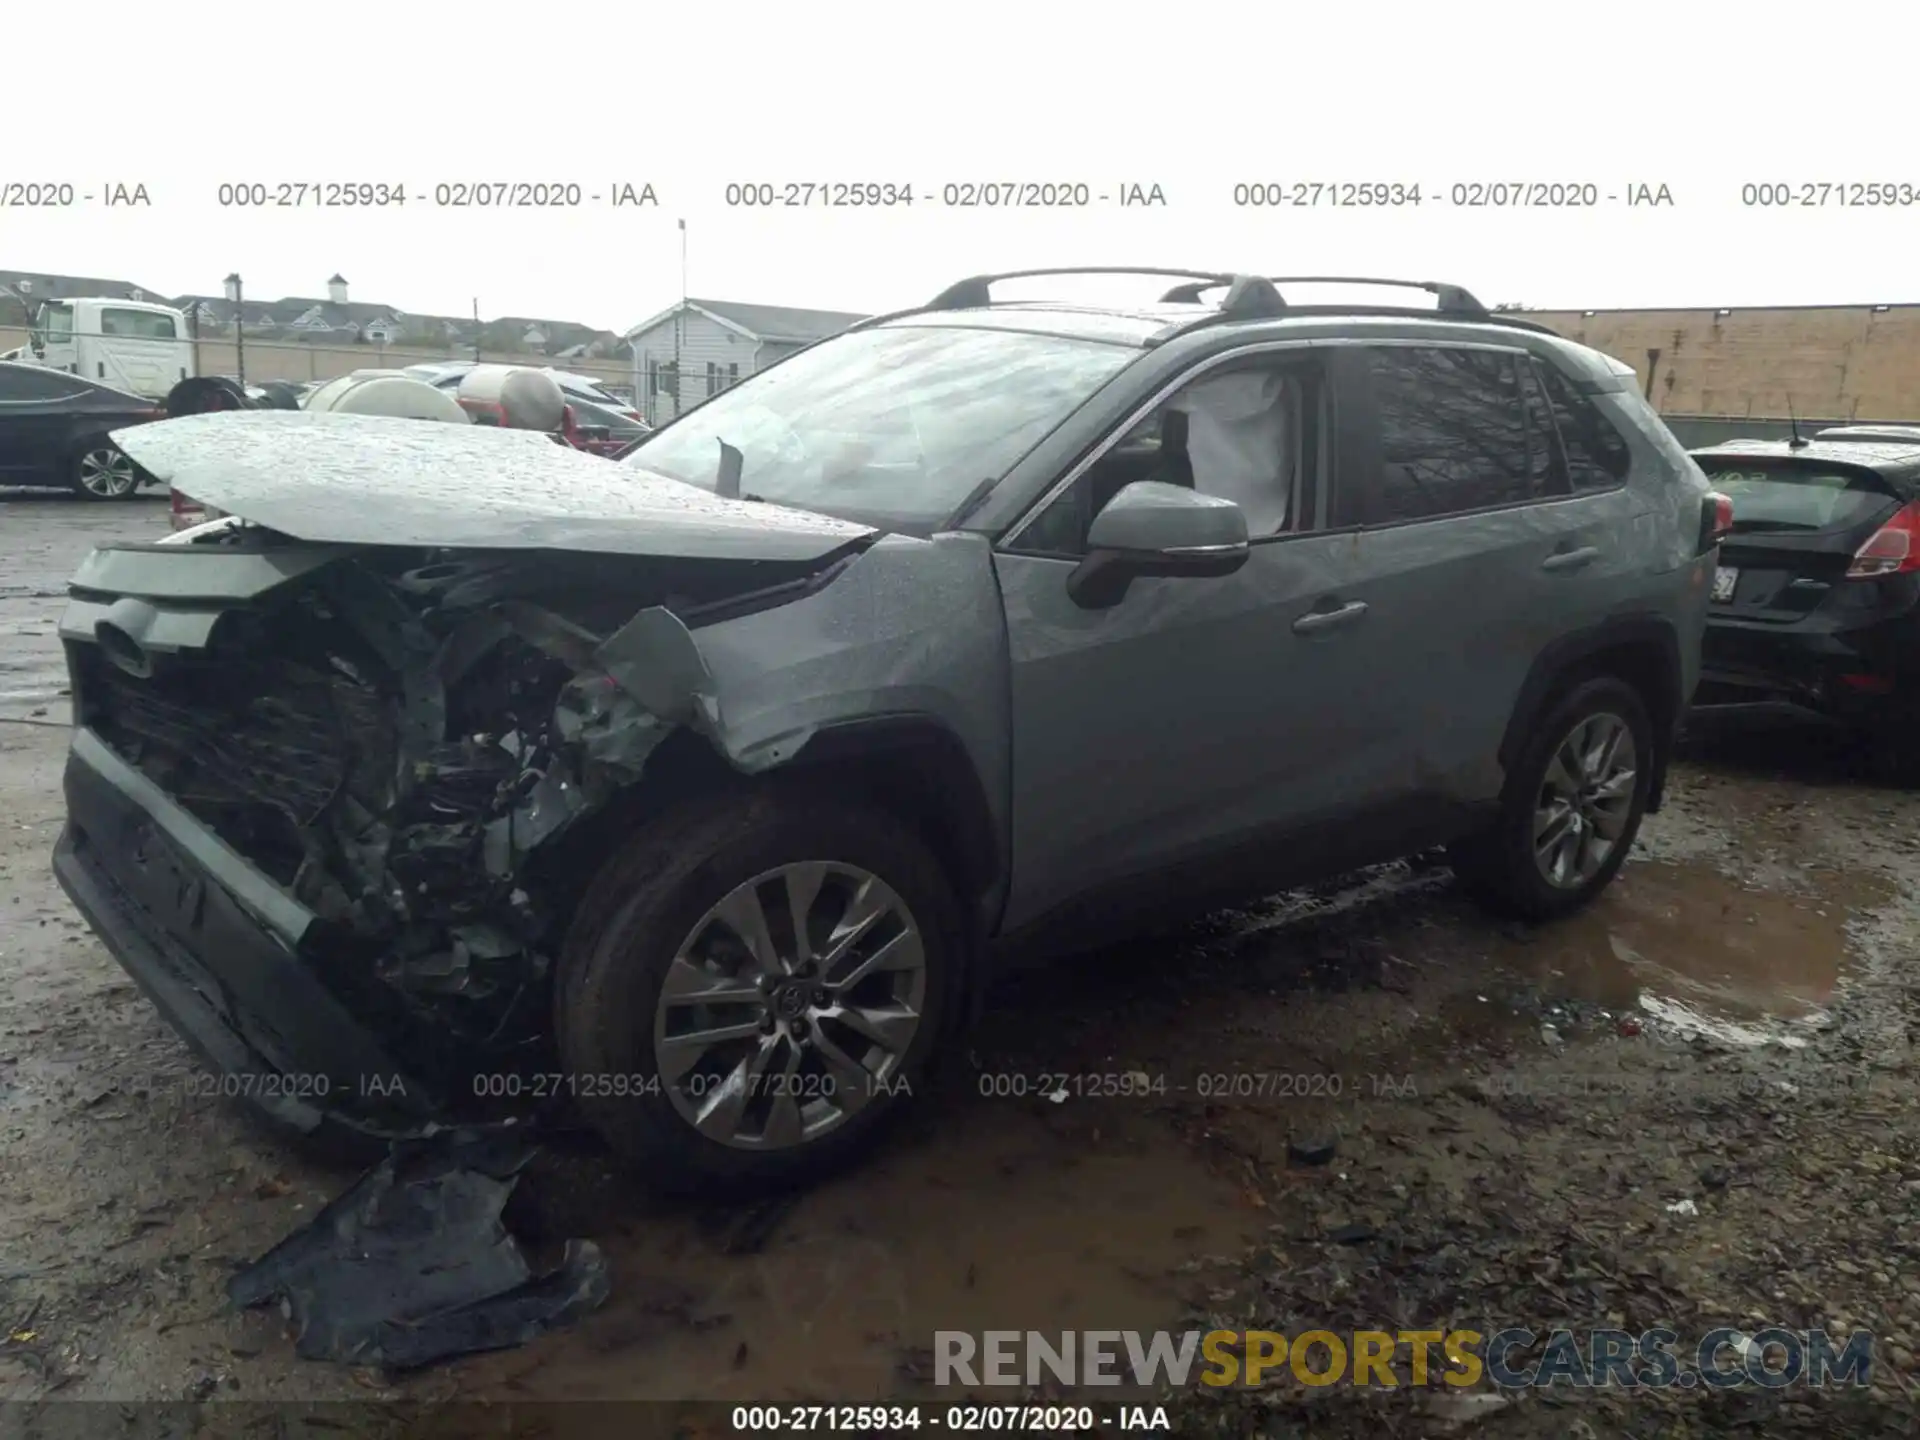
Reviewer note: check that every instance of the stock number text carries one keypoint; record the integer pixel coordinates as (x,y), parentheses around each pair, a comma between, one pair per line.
(817,194)
(1839,194)
(310,194)
(1325,194)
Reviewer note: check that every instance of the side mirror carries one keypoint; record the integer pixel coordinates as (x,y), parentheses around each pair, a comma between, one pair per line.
(1154,529)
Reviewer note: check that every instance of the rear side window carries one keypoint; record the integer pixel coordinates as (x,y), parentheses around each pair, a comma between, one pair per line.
(1455,434)
(24,383)
(1597,456)
(137,324)
(1785,498)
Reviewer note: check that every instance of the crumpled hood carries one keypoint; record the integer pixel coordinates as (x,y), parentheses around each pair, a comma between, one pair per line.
(375,480)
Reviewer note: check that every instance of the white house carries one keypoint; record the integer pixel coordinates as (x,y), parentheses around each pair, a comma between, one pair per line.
(699,347)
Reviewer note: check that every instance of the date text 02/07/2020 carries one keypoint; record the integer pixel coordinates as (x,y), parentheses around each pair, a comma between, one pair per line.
(1064,194)
(1458,194)
(902,1419)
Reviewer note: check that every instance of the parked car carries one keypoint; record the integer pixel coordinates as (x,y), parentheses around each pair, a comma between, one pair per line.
(719,782)
(577,388)
(1895,433)
(54,430)
(1816,600)
(603,431)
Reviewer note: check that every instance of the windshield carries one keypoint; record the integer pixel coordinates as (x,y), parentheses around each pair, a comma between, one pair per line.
(1791,497)
(889,427)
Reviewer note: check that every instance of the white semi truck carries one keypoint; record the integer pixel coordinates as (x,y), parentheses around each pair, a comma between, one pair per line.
(133,345)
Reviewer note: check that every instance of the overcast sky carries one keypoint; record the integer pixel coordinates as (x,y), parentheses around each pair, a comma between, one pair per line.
(1194,98)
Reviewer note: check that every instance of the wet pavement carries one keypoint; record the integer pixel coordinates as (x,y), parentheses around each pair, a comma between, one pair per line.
(1690,1105)
(42,536)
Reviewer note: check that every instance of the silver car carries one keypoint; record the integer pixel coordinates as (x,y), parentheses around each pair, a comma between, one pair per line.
(702,794)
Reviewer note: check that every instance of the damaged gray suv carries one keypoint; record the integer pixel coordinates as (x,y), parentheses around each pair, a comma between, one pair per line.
(700,795)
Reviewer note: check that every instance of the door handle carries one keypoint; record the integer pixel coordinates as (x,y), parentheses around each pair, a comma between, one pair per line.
(1571,559)
(1315,621)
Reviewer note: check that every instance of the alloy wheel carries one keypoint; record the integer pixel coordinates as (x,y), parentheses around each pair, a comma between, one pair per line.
(1586,800)
(107,474)
(790,1006)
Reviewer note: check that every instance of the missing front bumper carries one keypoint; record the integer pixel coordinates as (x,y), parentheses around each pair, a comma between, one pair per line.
(217,947)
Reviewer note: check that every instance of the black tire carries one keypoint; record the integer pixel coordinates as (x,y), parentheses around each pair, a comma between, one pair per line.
(645,902)
(1498,866)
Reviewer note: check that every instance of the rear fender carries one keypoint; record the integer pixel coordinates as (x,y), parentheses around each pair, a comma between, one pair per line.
(1642,649)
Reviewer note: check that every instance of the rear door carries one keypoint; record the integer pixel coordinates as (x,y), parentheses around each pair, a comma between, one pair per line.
(1476,549)
(1797,525)
(39,412)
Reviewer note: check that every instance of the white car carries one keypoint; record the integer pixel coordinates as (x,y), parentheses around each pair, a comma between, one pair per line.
(447,375)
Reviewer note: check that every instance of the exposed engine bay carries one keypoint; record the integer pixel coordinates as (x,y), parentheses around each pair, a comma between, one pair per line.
(404,740)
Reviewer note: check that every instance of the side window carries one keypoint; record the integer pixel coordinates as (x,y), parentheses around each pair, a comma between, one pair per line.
(22,384)
(137,324)
(1597,455)
(1547,456)
(1248,434)
(1453,433)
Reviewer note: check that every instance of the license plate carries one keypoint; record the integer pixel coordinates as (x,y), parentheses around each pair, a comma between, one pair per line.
(1724,579)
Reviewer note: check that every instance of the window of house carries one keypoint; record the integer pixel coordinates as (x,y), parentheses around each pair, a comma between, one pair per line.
(1245,434)
(1453,433)
(713,378)
(1597,454)
(733,372)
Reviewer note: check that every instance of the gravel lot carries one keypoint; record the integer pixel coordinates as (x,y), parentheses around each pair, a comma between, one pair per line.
(1515,1118)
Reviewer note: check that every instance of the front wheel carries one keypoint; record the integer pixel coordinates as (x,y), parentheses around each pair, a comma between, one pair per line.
(1572,806)
(754,986)
(103,472)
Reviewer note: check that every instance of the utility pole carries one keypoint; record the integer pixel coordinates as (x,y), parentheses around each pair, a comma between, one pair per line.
(476,329)
(680,321)
(236,293)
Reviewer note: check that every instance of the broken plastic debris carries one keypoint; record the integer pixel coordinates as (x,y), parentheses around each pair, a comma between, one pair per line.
(412,1265)
(654,658)
(1683,1207)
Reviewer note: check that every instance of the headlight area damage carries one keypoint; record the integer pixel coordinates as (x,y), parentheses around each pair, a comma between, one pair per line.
(400,740)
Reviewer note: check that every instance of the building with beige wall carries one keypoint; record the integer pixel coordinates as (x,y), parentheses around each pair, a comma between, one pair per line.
(1831,363)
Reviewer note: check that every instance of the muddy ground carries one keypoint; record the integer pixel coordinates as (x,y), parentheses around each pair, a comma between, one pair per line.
(1515,1119)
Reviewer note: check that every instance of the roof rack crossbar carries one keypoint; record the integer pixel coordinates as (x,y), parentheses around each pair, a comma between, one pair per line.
(1451,299)
(974,292)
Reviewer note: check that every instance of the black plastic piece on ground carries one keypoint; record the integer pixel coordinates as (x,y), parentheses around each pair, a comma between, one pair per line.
(412,1265)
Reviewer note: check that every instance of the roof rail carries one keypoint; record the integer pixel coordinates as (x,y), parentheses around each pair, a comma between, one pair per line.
(1248,297)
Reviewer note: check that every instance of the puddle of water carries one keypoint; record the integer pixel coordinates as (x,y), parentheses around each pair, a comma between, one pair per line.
(995,1220)
(1698,951)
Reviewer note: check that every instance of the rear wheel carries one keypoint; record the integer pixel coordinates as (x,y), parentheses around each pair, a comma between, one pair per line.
(754,986)
(1572,807)
(103,472)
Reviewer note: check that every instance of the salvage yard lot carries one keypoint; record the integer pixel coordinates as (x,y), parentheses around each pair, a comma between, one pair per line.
(1514,1119)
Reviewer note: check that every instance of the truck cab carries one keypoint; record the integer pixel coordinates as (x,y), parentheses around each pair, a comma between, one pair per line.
(132,345)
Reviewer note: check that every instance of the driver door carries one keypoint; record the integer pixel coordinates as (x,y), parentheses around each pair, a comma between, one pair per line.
(1179,743)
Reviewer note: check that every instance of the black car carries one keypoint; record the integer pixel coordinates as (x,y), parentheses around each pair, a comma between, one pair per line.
(54,428)
(1816,601)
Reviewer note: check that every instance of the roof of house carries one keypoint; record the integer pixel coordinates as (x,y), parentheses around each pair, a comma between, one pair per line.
(17,306)
(762,322)
(64,287)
